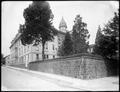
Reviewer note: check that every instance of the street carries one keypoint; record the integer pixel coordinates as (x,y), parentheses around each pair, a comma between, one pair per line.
(18,79)
(14,80)
(60,46)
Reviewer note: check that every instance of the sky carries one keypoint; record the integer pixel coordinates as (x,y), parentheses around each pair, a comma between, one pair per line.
(94,13)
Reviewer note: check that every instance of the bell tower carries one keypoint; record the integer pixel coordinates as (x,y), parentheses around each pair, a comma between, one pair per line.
(63,25)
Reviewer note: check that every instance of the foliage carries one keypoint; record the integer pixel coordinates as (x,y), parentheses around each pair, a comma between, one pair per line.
(2,59)
(80,35)
(107,44)
(67,46)
(107,40)
(38,24)
(99,35)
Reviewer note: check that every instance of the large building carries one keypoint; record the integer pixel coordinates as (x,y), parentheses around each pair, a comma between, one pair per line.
(7,59)
(20,54)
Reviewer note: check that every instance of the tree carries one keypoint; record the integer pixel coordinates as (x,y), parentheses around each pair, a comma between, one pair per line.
(107,42)
(38,25)
(2,59)
(67,46)
(99,36)
(80,35)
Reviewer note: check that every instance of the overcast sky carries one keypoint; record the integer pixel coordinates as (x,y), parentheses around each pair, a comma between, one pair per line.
(93,13)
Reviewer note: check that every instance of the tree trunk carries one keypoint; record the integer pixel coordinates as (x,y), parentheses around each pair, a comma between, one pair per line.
(43,54)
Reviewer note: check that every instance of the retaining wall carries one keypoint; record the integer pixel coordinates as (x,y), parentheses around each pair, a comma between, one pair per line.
(83,66)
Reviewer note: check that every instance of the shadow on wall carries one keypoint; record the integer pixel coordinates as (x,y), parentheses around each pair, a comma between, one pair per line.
(112,67)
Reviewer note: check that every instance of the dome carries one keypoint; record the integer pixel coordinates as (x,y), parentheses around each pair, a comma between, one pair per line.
(62,23)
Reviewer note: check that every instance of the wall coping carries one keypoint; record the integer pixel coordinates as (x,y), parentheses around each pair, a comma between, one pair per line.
(75,56)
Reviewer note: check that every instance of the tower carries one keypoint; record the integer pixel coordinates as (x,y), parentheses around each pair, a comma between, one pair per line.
(63,25)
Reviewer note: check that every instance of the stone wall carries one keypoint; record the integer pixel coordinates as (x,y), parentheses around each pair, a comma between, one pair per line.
(83,66)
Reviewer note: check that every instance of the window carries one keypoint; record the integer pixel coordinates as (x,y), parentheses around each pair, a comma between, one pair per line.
(53,56)
(37,48)
(28,57)
(28,48)
(20,42)
(47,56)
(24,58)
(59,39)
(59,43)
(46,45)
(37,56)
(53,47)
(19,51)
(24,49)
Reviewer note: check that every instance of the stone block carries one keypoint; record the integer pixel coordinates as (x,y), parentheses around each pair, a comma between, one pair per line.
(80,66)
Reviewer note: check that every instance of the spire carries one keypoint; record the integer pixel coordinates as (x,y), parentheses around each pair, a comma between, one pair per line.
(62,23)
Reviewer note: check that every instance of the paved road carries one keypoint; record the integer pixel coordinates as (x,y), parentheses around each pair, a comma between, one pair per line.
(15,80)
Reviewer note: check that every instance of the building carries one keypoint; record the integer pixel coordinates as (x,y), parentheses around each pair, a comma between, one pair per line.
(20,54)
(7,60)
(90,49)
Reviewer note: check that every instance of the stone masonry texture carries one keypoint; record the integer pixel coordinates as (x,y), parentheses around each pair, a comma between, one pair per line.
(82,66)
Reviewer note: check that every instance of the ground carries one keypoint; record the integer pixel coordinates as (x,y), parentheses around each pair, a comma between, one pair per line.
(16,79)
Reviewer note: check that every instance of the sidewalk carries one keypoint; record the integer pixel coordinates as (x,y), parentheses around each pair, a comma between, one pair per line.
(101,84)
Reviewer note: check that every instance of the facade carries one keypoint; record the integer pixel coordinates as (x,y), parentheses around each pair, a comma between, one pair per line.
(20,54)
(90,49)
(7,60)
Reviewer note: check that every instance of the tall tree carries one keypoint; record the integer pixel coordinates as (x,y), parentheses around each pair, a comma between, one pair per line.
(80,36)
(107,44)
(99,36)
(67,46)
(38,24)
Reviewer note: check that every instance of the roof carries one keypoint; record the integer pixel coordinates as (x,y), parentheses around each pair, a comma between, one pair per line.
(6,56)
(62,23)
(18,36)
(15,39)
